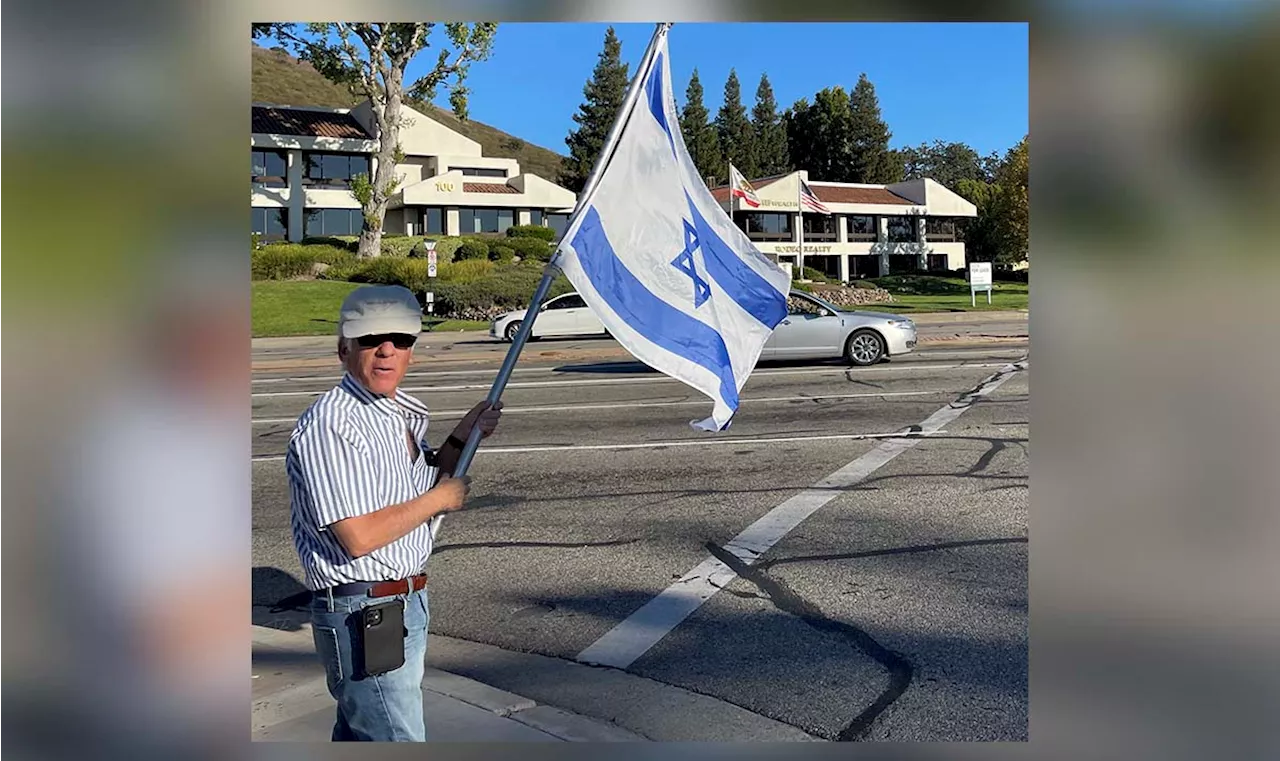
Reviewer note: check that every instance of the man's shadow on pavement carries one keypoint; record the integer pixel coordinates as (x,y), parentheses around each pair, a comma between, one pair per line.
(279,600)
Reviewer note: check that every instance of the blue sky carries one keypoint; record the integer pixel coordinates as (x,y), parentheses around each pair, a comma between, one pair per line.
(965,82)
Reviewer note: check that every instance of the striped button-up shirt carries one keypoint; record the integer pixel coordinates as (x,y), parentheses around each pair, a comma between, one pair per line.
(349,456)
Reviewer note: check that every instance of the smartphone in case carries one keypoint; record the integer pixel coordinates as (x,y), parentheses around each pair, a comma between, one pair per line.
(383,636)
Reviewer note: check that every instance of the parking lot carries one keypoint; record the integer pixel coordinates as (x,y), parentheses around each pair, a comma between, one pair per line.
(849,558)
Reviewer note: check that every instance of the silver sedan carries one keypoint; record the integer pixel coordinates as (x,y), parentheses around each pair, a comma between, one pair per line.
(817,329)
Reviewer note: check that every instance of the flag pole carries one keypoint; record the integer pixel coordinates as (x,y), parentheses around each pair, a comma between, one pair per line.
(799,229)
(552,269)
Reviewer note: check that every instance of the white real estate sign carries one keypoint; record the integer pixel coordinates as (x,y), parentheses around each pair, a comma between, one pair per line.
(979,280)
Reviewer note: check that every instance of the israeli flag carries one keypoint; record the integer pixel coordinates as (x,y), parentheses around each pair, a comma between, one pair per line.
(663,266)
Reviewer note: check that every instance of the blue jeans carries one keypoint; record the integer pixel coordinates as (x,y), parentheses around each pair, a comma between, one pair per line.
(386,707)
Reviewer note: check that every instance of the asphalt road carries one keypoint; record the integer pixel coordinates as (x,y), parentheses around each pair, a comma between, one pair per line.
(897,610)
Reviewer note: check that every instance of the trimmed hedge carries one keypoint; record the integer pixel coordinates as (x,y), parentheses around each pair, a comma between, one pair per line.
(508,287)
(282,261)
(472,248)
(530,248)
(815,275)
(501,253)
(467,271)
(532,231)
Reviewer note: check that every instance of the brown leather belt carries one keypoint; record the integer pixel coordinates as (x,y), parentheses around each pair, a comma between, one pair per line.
(378,588)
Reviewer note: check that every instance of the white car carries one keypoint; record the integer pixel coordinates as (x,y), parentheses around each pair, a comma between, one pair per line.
(566,315)
(812,329)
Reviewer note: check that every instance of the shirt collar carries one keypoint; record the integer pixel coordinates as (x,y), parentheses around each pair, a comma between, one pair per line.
(403,404)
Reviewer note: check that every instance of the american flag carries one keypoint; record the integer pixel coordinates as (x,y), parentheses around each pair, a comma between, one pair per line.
(809,201)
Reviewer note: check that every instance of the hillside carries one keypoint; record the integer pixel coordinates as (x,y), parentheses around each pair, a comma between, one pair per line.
(280,78)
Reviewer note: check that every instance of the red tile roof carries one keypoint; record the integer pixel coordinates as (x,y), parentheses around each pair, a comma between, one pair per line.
(830,193)
(487,187)
(271,120)
(838,194)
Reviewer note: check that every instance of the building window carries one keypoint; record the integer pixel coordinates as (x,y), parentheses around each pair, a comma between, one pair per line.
(938,262)
(557,222)
(486,220)
(940,229)
(475,171)
(535,216)
(334,170)
(433,221)
(820,227)
(902,229)
(761,225)
(334,222)
(862,228)
(271,224)
(270,169)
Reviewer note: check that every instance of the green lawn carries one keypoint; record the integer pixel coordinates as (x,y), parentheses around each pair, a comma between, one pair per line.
(310,308)
(915,294)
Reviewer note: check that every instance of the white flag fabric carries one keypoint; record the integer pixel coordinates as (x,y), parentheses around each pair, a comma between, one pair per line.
(740,188)
(664,268)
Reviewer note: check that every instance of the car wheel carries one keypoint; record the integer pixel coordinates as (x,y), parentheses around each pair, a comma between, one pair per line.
(864,347)
(512,329)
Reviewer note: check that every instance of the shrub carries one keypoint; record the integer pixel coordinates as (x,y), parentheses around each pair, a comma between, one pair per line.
(465,271)
(812,274)
(398,245)
(799,286)
(532,231)
(501,253)
(255,241)
(446,247)
(472,248)
(282,261)
(345,242)
(507,287)
(862,285)
(530,248)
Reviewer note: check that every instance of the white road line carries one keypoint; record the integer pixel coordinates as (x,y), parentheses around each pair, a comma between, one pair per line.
(450,414)
(681,443)
(656,378)
(635,635)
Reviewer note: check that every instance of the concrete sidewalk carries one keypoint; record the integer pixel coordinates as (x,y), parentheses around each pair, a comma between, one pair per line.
(291,703)
(558,700)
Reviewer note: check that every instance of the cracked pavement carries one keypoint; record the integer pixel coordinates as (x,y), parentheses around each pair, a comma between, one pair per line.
(897,611)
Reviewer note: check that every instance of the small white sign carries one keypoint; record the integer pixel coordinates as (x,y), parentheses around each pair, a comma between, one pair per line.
(980,274)
(979,280)
(431,297)
(431,301)
(431,268)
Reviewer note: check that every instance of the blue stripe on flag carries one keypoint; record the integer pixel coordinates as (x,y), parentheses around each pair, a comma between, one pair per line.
(651,317)
(657,105)
(743,284)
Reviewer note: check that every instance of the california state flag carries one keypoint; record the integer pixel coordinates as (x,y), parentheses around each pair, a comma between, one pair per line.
(740,188)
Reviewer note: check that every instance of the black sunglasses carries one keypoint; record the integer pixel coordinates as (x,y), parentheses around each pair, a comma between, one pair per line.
(401,340)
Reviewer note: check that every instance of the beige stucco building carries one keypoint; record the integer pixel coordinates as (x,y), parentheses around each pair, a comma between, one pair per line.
(873,229)
(303,160)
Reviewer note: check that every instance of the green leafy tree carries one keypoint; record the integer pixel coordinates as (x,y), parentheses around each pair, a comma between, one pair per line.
(872,162)
(947,163)
(818,135)
(604,94)
(700,135)
(1012,176)
(734,129)
(772,156)
(370,61)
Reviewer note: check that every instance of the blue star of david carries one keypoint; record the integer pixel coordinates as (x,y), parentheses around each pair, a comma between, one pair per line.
(685,263)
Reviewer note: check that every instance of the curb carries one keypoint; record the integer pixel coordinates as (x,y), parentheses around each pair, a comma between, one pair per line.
(310,696)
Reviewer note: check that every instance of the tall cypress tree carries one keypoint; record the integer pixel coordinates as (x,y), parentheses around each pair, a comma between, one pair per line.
(604,94)
(770,135)
(700,135)
(734,129)
(873,162)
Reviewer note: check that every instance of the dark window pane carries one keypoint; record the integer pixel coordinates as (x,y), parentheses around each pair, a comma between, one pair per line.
(506,218)
(862,225)
(276,165)
(558,222)
(276,223)
(258,162)
(258,225)
(336,222)
(433,219)
(467,221)
(336,168)
(487,220)
(901,230)
(359,165)
(314,222)
(535,216)
(315,166)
